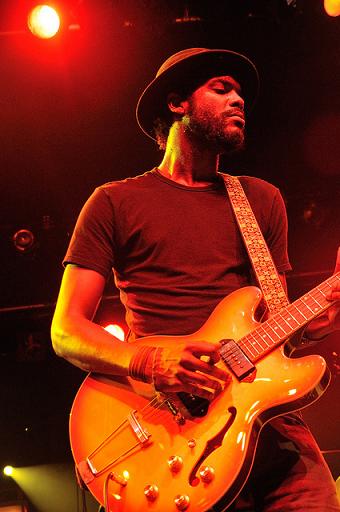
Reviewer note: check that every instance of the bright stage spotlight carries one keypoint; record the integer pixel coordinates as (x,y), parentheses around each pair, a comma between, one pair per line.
(43,21)
(332,7)
(8,470)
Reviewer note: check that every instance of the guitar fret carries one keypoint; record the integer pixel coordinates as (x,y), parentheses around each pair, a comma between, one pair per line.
(247,348)
(292,316)
(288,318)
(263,336)
(321,297)
(318,305)
(267,343)
(306,304)
(323,294)
(273,329)
(303,309)
(253,344)
(299,313)
(325,285)
(278,326)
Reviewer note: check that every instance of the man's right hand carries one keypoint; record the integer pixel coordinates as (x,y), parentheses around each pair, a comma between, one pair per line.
(179,367)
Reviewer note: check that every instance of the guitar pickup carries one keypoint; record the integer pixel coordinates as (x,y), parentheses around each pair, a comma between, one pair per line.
(236,360)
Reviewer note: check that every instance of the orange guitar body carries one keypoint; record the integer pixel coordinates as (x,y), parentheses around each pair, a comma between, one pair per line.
(214,453)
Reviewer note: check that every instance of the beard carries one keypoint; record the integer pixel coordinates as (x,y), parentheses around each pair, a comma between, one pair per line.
(213,131)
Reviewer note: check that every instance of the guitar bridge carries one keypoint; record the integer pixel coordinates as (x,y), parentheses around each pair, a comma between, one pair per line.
(236,360)
(108,453)
(141,434)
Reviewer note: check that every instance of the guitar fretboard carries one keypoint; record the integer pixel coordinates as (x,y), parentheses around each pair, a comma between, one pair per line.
(283,324)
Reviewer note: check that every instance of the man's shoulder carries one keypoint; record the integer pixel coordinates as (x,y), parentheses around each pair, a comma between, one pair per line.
(253,185)
(254,181)
(128,184)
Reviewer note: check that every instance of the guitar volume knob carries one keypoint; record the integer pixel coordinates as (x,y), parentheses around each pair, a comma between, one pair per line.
(175,463)
(207,474)
(151,492)
(182,501)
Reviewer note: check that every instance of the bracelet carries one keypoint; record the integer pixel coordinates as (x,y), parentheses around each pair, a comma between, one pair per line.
(139,363)
(156,364)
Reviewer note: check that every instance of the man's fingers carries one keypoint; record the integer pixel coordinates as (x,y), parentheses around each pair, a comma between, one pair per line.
(204,348)
(191,386)
(180,368)
(201,380)
(194,363)
(214,371)
(334,293)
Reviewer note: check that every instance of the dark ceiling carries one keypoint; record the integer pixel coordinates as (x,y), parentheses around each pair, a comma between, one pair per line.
(67,125)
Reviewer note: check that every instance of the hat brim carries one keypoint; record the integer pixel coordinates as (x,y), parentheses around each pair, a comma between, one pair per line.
(152,103)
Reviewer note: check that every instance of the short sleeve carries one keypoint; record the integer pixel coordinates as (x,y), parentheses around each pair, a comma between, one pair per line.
(92,243)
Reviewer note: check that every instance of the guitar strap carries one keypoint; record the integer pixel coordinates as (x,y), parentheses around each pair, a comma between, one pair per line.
(260,257)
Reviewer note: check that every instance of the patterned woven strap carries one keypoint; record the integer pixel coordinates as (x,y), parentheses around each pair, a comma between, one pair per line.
(263,265)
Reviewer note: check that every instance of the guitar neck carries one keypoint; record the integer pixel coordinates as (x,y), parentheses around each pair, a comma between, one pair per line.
(291,319)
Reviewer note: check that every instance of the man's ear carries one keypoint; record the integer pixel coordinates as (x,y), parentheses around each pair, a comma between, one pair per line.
(176,103)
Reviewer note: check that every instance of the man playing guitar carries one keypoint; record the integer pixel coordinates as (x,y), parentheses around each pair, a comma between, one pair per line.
(171,238)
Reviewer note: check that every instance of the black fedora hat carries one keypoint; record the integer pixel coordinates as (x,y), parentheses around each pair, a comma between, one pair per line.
(191,67)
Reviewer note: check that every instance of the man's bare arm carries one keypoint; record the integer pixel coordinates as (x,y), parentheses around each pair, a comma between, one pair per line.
(74,334)
(78,339)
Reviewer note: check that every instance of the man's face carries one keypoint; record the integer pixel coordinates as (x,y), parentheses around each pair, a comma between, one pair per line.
(215,114)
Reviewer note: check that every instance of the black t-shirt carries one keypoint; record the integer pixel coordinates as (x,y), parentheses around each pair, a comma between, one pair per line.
(176,250)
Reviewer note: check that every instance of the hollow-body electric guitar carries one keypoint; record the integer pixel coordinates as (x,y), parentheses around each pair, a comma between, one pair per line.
(140,451)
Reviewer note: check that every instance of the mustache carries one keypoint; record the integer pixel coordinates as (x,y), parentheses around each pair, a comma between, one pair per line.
(234,112)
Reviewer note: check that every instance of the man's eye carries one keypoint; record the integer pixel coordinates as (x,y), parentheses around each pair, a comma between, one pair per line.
(219,90)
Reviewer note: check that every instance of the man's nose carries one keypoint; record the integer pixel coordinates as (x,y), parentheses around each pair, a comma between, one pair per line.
(236,100)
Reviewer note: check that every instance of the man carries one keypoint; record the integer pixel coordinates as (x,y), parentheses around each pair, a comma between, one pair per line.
(171,238)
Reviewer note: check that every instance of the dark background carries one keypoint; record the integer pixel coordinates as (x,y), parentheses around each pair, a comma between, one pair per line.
(67,125)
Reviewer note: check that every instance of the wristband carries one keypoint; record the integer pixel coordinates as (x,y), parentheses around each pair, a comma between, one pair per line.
(140,362)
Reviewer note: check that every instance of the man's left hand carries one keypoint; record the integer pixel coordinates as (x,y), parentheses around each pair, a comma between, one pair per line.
(334,296)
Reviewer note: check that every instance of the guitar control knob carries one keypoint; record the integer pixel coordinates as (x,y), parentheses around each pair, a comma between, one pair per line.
(151,492)
(175,463)
(207,474)
(182,501)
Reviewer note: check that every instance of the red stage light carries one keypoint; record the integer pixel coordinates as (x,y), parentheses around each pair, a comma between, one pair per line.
(116,331)
(43,21)
(332,7)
